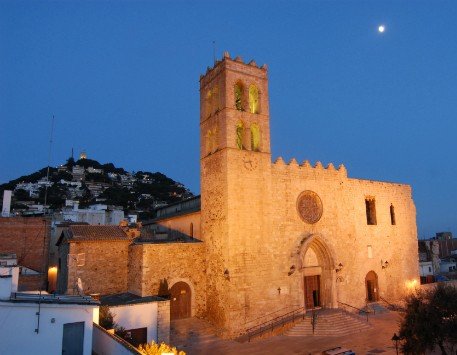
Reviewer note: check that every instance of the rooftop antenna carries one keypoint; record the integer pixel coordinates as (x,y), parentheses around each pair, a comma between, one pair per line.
(214,52)
(49,163)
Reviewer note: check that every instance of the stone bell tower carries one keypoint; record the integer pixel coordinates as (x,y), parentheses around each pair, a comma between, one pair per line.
(235,190)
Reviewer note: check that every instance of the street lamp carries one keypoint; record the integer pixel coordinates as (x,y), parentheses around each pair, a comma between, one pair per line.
(395,340)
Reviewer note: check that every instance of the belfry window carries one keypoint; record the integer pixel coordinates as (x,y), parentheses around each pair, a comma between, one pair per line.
(239,135)
(239,96)
(253,99)
(392,215)
(371,210)
(255,137)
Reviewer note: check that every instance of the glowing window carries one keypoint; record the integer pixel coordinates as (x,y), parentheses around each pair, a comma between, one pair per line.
(253,99)
(239,135)
(255,137)
(238,96)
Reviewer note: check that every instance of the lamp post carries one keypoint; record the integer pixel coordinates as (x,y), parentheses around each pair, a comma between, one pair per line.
(395,340)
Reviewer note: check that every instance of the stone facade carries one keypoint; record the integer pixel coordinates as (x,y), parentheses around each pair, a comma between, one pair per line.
(98,255)
(150,264)
(283,235)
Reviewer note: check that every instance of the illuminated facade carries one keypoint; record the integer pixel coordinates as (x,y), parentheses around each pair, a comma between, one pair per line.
(286,234)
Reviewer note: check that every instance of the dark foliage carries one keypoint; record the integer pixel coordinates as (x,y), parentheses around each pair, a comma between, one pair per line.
(430,320)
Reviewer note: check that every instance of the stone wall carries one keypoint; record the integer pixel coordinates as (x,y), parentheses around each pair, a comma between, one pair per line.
(105,266)
(343,228)
(150,264)
(163,322)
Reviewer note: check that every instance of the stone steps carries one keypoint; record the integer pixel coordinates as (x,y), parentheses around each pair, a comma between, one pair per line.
(334,323)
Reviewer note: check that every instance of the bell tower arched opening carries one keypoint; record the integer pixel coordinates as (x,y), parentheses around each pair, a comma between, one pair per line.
(317,266)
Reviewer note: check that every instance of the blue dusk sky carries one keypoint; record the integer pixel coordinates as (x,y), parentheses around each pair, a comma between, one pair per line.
(122,80)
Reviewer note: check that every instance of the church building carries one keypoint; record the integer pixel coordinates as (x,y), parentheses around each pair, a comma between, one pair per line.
(272,236)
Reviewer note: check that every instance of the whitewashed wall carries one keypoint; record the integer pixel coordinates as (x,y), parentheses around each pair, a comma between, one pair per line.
(143,315)
(19,321)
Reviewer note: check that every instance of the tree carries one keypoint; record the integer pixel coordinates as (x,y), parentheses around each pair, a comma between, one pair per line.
(430,320)
(105,318)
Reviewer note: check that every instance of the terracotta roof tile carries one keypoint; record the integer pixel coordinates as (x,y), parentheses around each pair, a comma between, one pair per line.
(103,232)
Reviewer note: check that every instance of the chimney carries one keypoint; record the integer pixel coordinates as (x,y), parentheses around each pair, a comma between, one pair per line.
(6,209)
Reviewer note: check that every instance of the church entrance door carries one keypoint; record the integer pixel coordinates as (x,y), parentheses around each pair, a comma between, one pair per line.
(371,281)
(312,291)
(180,301)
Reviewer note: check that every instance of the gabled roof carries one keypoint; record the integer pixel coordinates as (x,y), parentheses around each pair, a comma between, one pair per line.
(94,233)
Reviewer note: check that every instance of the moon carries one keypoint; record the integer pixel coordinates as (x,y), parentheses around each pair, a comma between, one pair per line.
(381,29)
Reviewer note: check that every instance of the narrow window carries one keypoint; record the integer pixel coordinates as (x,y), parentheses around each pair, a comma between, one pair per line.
(253,99)
(370,252)
(208,142)
(255,137)
(191,232)
(215,140)
(238,96)
(215,99)
(208,103)
(239,135)
(392,215)
(371,211)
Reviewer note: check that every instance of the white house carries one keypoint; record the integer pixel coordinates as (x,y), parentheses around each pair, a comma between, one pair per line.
(146,319)
(40,323)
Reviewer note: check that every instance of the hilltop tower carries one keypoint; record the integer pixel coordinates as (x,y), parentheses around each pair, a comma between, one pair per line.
(235,182)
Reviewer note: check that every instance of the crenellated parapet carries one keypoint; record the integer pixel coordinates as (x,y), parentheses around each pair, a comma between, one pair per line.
(238,59)
(306,168)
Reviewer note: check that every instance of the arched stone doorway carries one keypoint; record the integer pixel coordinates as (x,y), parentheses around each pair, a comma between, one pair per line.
(371,284)
(180,301)
(317,267)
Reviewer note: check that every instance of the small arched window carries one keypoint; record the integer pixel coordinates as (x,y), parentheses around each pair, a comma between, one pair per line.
(239,135)
(253,99)
(239,96)
(255,137)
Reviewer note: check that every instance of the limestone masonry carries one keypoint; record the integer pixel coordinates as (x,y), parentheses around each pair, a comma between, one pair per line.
(289,235)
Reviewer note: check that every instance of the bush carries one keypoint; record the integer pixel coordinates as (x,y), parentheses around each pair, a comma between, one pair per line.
(156,349)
